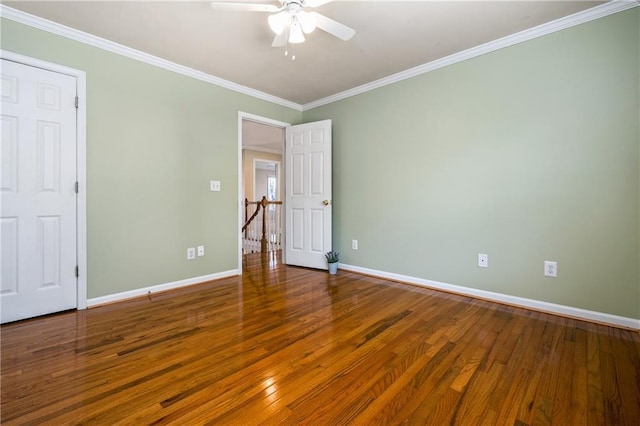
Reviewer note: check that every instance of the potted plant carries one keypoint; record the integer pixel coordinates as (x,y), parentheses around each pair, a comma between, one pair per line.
(332,259)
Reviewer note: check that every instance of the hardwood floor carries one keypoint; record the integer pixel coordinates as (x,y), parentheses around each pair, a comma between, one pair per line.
(296,346)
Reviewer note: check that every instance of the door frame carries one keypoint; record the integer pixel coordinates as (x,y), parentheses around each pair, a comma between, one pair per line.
(263,120)
(81,162)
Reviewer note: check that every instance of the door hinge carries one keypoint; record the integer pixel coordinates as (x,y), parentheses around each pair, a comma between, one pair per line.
(77,102)
(77,271)
(77,187)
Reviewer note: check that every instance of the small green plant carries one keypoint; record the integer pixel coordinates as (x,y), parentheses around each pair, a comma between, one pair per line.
(332,256)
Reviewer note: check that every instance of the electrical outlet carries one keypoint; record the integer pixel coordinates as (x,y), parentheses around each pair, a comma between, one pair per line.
(191,253)
(550,269)
(200,251)
(214,185)
(354,244)
(483,260)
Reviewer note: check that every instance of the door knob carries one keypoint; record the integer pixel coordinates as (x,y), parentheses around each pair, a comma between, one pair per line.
(326,202)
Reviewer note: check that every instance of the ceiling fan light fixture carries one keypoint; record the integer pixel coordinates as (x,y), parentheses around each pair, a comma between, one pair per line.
(295,33)
(307,21)
(278,22)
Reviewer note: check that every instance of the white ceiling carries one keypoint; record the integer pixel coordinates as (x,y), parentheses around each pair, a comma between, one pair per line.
(262,137)
(392,36)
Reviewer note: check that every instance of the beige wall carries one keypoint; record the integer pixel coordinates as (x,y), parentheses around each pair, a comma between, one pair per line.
(261,183)
(247,170)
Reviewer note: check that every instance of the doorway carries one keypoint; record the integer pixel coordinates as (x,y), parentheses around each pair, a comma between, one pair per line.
(260,174)
(305,153)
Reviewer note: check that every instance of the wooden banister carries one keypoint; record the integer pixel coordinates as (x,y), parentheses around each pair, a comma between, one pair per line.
(253,216)
(260,205)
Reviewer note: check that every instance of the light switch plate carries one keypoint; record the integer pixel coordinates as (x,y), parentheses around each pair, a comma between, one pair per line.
(214,185)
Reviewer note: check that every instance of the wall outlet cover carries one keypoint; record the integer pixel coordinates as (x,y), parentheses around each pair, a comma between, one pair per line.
(200,250)
(550,268)
(191,253)
(483,260)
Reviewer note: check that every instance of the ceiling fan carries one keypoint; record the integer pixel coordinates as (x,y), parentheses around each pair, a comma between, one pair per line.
(289,21)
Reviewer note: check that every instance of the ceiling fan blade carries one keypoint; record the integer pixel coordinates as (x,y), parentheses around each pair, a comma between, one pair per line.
(334,27)
(316,3)
(245,7)
(280,39)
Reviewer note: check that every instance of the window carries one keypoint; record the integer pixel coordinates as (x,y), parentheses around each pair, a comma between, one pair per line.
(272,190)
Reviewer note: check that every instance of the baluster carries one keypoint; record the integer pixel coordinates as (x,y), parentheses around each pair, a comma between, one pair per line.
(279,233)
(263,241)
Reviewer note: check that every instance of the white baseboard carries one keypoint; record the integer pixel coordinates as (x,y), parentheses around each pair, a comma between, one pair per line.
(117,297)
(552,308)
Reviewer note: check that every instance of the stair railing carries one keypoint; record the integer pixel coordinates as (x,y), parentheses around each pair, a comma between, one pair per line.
(269,234)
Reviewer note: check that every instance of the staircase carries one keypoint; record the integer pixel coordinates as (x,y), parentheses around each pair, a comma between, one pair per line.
(262,230)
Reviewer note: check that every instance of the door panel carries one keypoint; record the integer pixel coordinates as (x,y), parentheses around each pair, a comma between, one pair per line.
(48,246)
(9,230)
(48,154)
(297,175)
(308,194)
(317,171)
(297,230)
(9,173)
(38,192)
(317,231)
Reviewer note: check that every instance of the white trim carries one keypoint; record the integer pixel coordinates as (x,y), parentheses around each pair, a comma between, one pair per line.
(260,149)
(81,176)
(110,46)
(118,297)
(552,308)
(263,120)
(81,161)
(258,119)
(588,15)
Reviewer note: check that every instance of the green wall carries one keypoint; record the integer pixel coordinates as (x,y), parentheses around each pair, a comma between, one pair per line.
(530,153)
(154,140)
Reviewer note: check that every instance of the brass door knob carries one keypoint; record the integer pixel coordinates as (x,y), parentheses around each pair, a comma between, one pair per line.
(326,202)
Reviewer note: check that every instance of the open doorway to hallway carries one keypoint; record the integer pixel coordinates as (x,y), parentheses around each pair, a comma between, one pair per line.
(262,188)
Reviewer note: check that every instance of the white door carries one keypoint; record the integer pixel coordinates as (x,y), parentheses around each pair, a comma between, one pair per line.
(38,211)
(308,194)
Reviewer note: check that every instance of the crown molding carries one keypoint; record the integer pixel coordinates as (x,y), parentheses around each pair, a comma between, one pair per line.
(110,46)
(588,15)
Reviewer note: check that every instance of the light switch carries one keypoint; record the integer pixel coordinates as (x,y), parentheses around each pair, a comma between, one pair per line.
(214,185)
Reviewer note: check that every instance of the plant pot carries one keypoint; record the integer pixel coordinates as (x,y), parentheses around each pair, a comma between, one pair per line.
(333,268)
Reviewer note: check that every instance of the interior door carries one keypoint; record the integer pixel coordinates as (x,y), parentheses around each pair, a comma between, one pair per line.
(38,213)
(308,206)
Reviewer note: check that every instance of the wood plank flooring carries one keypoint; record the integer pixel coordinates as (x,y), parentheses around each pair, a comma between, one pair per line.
(296,346)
